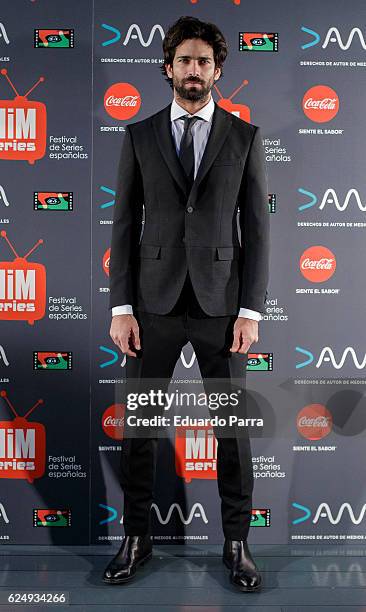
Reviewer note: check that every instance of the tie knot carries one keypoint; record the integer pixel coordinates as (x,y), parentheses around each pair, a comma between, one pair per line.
(190,121)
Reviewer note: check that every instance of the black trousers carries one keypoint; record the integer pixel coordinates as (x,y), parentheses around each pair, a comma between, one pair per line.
(162,339)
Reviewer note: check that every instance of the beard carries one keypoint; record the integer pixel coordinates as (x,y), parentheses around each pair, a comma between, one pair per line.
(192,92)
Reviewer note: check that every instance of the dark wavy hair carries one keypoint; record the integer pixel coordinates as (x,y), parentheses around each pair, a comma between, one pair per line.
(191,27)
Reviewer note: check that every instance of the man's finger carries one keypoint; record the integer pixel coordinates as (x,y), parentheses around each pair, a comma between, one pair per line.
(136,337)
(244,347)
(236,342)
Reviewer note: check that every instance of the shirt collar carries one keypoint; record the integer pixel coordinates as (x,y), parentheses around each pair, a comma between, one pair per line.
(206,112)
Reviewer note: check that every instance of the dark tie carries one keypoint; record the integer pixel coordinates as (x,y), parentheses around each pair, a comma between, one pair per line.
(186,151)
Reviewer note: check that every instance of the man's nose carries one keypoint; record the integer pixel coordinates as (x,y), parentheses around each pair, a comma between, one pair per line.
(194,68)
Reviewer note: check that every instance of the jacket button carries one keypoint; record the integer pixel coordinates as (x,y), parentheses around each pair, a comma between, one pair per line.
(190,209)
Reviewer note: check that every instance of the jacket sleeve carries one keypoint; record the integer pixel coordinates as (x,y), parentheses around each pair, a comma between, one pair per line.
(254,228)
(127,224)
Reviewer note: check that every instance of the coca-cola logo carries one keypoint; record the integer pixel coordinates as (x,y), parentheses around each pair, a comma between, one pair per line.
(122,101)
(320,103)
(113,421)
(106,259)
(320,264)
(317,264)
(126,101)
(314,422)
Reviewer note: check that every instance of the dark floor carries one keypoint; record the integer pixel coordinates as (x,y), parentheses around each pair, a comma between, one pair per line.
(184,578)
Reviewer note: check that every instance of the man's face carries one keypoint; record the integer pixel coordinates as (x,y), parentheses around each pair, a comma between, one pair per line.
(193,70)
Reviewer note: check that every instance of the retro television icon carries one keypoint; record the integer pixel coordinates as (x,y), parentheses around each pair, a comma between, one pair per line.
(240,110)
(23,126)
(22,445)
(22,287)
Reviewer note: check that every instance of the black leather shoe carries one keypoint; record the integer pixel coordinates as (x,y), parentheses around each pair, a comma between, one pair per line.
(244,572)
(134,551)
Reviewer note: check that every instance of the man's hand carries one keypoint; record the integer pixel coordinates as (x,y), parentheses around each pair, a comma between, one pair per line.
(245,333)
(125,333)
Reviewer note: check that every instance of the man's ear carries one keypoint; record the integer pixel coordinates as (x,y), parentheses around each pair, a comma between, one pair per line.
(217,74)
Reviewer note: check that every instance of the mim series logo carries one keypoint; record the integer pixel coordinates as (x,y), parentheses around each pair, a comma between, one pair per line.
(23,126)
(195,453)
(333,36)
(331,199)
(22,445)
(239,110)
(22,287)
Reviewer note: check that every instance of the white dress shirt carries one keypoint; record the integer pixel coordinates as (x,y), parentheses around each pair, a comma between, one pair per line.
(200,132)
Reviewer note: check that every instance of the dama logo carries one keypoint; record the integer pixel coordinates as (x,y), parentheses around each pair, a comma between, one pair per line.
(113,421)
(3,357)
(3,34)
(110,192)
(314,422)
(113,357)
(3,197)
(323,511)
(49,39)
(239,110)
(22,446)
(122,101)
(333,36)
(317,264)
(330,198)
(197,511)
(3,514)
(133,32)
(106,259)
(320,103)
(22,287)
(195,453)
(23,126)
(327,356)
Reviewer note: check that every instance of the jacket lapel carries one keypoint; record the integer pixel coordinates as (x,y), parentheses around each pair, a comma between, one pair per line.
(221,124)
(164,137)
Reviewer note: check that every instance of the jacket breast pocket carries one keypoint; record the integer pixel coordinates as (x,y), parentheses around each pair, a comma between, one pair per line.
(149,251)
(227,253)
(236,161)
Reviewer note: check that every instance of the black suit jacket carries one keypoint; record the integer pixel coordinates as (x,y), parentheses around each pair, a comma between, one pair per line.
(217,229)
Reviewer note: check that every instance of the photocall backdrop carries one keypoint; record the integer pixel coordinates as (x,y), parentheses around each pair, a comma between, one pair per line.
(73,74)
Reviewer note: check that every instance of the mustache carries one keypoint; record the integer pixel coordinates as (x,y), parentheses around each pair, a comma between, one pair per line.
(193,80)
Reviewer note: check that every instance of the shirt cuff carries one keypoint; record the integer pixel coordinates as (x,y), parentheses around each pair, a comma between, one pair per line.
(119,310)
(250,314)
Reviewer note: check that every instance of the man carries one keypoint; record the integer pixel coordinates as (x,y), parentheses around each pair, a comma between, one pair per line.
(190,170)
